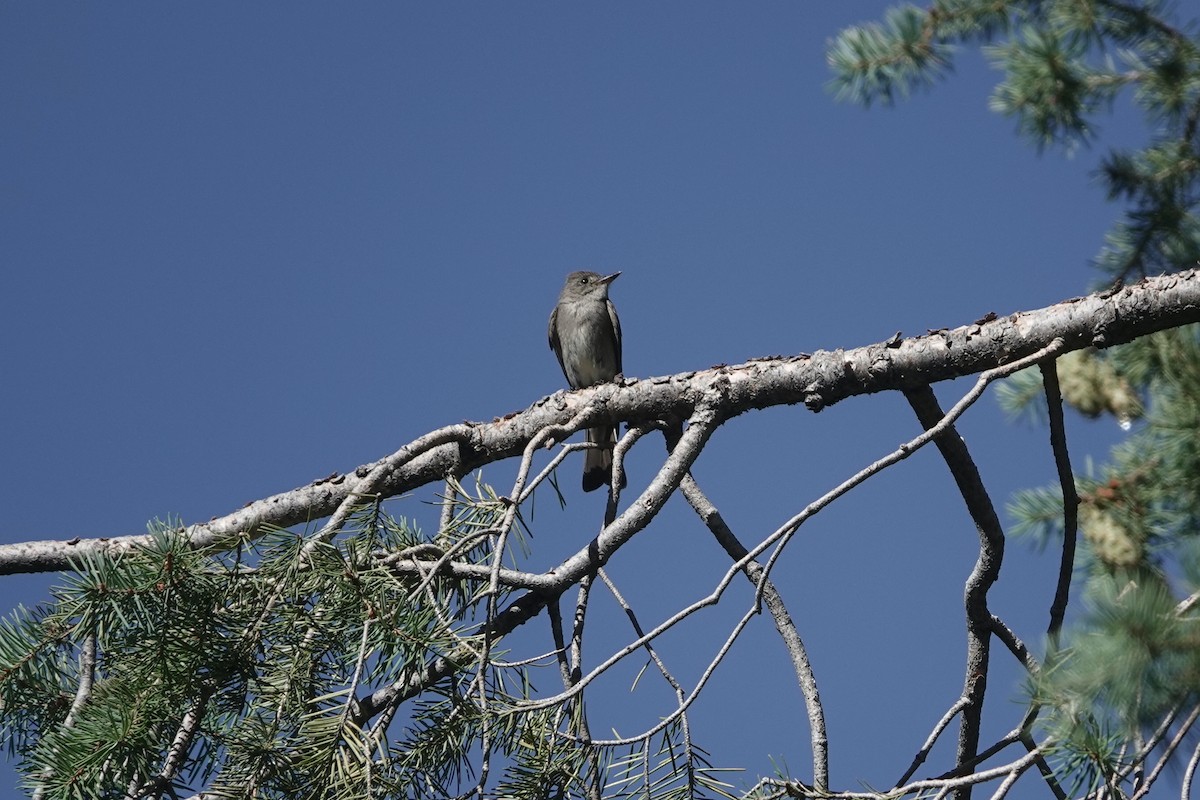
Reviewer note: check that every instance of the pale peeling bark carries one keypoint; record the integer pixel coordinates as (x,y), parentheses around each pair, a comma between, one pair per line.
(817,380)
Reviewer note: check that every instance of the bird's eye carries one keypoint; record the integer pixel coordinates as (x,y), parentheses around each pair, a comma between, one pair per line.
(584,279)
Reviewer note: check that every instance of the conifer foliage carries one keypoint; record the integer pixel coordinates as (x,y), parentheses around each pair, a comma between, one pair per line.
(1123,683)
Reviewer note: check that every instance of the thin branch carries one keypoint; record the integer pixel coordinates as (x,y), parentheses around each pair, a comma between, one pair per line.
(722,651)
(986,571)
(1186,604)
(1058,607)
(87,679)
(465,570)
(1167,753)
(581,604)
(367,484)
(1043,767)
(554,617)
(1152,742)
(1009,780)
(1006,741)
(905,450)
(637,628)
(1185,788)
(617,478)
(565,450)
(592,556)
(83,691)
(483,657)
(788,633)
(180,747)
(406,561)
(922,788)
(543,438)
(1014,644)
(184,737)
(484,652)
(980,621)
(676,687)
(594,781)
(1066,479)
(934,735)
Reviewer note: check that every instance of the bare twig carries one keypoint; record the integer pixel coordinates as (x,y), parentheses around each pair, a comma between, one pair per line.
(489,632)
(1043,767)
(1066,479)
(449,503)
(554,617)
(981,623)
(934,735)
(1185,788)
(805,677)
(933,787)
(637,628)
(784,532)
(1010,779)
(1167,753)
(1143,752)
(724,649)
(689,756)
(1014,644)
(565,450)
(593,780)
(87,679)
(987,569)
(367,484)
(1187,604)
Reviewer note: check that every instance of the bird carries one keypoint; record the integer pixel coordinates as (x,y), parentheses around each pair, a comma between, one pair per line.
(585,335)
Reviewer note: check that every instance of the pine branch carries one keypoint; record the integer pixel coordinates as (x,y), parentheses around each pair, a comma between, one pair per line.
(817,380)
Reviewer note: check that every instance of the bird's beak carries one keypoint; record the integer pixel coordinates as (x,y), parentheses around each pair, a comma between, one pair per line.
(610,278)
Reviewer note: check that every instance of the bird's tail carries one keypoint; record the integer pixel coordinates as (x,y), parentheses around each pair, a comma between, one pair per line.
(597,461)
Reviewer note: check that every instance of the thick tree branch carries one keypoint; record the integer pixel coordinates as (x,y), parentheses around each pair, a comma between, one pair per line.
(818,380)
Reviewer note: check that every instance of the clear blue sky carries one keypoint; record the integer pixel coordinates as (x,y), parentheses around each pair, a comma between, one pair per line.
(246,245)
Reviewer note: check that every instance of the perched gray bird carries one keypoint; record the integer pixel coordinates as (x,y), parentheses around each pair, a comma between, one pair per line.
(585,334)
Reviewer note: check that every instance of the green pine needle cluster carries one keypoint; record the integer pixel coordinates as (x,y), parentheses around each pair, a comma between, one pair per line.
(254,658)
(1135,654)
(166,671)
(1090,383)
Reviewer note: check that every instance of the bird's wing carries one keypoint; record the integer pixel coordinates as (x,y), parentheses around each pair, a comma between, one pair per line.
(555,344)
(616,326)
